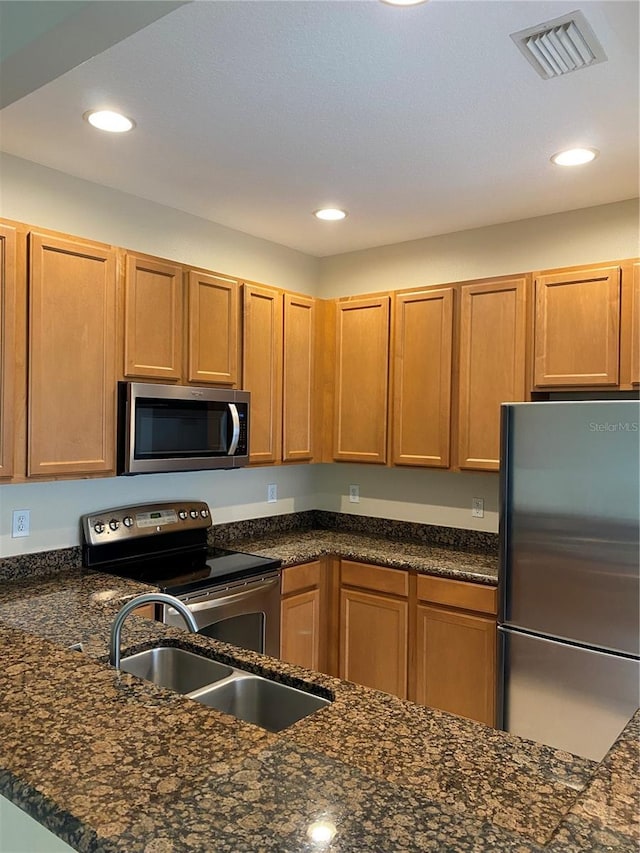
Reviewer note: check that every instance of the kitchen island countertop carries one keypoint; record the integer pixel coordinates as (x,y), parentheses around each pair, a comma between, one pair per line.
(111,763)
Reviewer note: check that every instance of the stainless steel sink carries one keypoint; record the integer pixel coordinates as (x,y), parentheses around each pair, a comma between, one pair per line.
(244,695)
(175,669)
(258,700)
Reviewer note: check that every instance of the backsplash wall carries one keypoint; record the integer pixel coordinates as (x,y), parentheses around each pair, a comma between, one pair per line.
(430,497)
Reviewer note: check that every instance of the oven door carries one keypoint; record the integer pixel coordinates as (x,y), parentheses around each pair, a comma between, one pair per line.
(245,613)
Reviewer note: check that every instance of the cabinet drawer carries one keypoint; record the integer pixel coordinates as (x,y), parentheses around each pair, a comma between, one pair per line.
(463,594)
(296,578)
(392,581)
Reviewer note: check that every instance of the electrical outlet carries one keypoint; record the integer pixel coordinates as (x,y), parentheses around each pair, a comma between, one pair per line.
(477,507)
(21,522)
(354,494)
(272,493)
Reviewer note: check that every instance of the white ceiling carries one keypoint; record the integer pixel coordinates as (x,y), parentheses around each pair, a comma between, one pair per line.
(419,121)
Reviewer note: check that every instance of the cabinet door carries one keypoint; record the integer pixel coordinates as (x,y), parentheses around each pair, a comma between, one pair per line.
(456,663)
(373,641)
(635,326)
(298,378)
(71,357)
(422,347)
(262,370)
(152,319)
(362,353)
(213,329)
(492,366)
(300,629)
(7,351)
(577,328)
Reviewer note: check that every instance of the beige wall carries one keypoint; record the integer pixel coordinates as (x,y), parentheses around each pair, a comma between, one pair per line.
(594,234)
(44,197)
(40,196)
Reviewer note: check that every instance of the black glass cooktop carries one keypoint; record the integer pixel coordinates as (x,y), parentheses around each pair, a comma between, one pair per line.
(182,573)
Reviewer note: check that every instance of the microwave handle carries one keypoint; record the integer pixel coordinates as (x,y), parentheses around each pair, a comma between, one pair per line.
(235,435)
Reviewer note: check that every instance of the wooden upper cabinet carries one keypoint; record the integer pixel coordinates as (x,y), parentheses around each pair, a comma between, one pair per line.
(492,366)
(298,378)
(362,353)
(72,321)
(262,370)
(7,350)
(577,327)
(152,319)
(635,325)
(422,351)
(213,329)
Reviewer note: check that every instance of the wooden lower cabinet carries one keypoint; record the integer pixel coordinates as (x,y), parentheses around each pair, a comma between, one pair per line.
(302,623)
(145,611)
(374,628)
(425,638)
(455,664)
(456,643)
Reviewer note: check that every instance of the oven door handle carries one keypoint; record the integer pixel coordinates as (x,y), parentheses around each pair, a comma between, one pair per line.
(210,603)
(235,437)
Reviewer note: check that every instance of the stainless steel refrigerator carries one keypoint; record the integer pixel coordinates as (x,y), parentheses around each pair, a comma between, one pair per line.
(569,625)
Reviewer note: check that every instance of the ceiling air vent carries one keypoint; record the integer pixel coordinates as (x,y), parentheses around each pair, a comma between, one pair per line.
(561,46)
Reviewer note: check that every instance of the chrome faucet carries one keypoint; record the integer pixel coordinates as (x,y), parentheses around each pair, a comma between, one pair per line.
(146,598)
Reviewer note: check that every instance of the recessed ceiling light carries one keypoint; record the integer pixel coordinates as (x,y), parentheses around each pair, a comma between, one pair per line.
(575,156)
(330,214)
(110,121)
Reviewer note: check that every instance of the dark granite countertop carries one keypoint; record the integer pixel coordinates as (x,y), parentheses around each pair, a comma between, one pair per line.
(294,547)
(111,763)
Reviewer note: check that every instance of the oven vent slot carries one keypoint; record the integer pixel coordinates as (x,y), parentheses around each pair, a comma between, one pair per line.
(560,46)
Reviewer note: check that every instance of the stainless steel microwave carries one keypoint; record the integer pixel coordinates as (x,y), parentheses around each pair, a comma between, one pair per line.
(164,428)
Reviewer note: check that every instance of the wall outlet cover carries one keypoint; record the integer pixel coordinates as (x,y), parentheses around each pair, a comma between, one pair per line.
(354,494)
(20,523)
(477,507)
(272,493)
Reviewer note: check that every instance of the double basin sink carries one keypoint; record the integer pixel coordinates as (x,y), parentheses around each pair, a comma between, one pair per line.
(244,695)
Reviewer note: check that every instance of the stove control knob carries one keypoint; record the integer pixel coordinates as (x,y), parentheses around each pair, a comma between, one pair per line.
(114,524)
(193,513)
(127,521)
(204,513)
(99,527)
(183,514)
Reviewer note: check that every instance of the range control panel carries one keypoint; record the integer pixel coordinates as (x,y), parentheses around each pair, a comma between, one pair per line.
(132,522)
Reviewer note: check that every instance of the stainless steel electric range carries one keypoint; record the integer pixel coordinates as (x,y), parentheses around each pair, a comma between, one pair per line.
(234,596)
